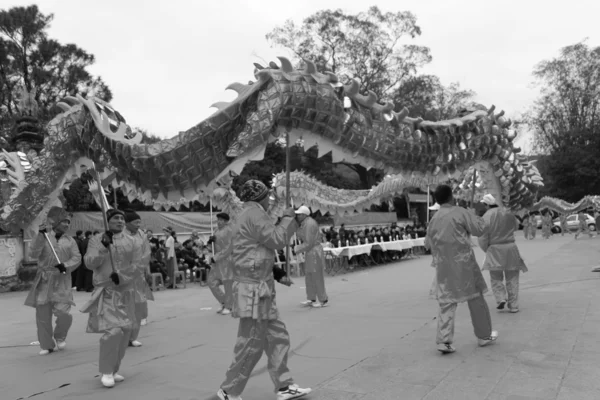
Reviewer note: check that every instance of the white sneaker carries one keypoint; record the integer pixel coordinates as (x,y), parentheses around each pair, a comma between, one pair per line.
(135,343)
(307,303)
(144,322)
(488,340)
(61,344)
(118,378)
(108,380)
(221,310)
(292,392)
(514,310)
(226,311)
(316,304)
(446,348)
(224,396)
(46,352)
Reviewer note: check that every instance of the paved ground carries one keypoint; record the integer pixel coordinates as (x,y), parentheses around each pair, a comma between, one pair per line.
(376,341)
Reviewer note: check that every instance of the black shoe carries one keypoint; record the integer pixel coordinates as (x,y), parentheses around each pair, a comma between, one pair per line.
(501,305)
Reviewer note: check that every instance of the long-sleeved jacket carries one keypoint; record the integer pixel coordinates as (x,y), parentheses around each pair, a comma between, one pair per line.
(458,277)
(142,262)
(49,285)
(223,252)
(498,242)
(309,234)
(255,238)
(112,306)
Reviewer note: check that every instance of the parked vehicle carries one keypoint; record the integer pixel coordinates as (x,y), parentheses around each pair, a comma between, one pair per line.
(573,223)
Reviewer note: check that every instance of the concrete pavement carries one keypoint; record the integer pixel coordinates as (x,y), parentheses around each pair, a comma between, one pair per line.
(375,341)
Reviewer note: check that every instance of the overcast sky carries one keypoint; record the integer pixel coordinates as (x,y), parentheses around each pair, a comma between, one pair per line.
(166,62)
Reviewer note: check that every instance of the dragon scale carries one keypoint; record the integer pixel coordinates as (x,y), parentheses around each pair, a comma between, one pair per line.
(304,103)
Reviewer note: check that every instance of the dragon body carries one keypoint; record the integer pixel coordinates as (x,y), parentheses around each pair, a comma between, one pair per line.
(307,105)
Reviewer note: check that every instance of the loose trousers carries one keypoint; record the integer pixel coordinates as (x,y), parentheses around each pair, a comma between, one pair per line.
(532,231)
(113,345)
(141,312)
(225,298)
(315,285)
(254,338)
(480,317)
(508,293)
(583,229)
(171,269)
(43,319)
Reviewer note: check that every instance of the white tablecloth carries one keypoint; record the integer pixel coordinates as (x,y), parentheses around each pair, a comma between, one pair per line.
(397,245)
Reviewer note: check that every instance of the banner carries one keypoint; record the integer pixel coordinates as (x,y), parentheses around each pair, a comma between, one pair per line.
(11,254)
(181,222)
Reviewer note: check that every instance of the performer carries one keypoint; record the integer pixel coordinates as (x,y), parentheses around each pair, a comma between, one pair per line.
(221,272)
(112,305)
(583,226)
(546,224)
(254,241)
(314,258)
(142,262)
(526,224)
(532,226)
(51,292)
(502,257)
(171,257)
(458,277)
(563,225)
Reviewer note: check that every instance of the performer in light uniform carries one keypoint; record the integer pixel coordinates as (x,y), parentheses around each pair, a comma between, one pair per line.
(142,261)
(546,224)
(112,305)
(526,225)
(583,226)
(51,291)
(255,240)
(221,272)
(532,226)
(458,277)
(502,257)
(563,225)
(314,258)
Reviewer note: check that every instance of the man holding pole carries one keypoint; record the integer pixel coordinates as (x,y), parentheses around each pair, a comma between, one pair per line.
(58,255)
(255,239)
(314,258)
(221,272)
(142,262)
(112,306)
(502,257)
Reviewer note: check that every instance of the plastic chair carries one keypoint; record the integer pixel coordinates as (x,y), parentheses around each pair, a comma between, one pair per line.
(180,274)
(156,277)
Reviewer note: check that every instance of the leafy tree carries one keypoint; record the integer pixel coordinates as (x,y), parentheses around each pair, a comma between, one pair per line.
(565,120)
(31,60)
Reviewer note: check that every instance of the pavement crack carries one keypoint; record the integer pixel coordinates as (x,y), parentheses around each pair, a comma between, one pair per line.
(318,357)
(169,355)
(45,391)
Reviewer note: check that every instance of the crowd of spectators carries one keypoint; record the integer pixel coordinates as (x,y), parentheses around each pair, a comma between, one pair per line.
(353,237)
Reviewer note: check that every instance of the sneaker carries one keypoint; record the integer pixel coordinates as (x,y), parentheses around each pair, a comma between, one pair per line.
(292,392)
(224,396)
(118,378)
(325,303)
(597,269)
(226,311)
(61,344)
(221,310)
(501,305)
(308,302)
(108,380)
(446,348)
(135,343)
(46,352)
(144,322)
(316,305)
(514,310)
(488,340)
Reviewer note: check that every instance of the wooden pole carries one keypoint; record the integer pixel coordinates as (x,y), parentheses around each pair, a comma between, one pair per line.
(288,202)
(115,197)
(212,232)
(474,182)
(428,204)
